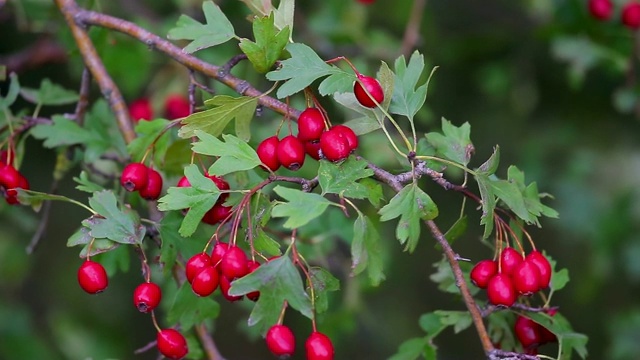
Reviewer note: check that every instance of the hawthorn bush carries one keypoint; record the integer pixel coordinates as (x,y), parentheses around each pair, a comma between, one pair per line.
(270,191)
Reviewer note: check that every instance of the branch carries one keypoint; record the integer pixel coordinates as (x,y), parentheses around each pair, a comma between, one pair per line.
(412,31)
(507,355)
(208,344)
(41,52)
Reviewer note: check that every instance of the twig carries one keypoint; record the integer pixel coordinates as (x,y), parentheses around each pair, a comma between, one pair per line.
(307,185)
(43,51)
(208,344)
(146,348)
(226,68)
(490,309)
(83,101)
(507,355)
(44,220)
(412,31)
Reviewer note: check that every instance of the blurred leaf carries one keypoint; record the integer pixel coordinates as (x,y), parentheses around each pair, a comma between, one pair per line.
(223,109)
(49,94)
(120,224)
(12,93)
(454,143)
(374,190)
(569,340)
(277,280)
(171,240)
(490,166)
(366,252)
(407,99)
(35,198)
(284,15)
(115,260)
(343,178)
(412,205)
(150,133)
(233,154)
(178,154)
(268,46)
(455,231)
(460,320)
(61,131)
(216,30)
(301,207)
(415,348)
(323,282)
(189,309)
(98,246)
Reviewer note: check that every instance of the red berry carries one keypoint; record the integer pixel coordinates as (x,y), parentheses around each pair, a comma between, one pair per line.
(310,124)
(500,291)
(526,331)
(334,146)
(280,340)
(631,15)
(134,176)
(172,344)
(601,9)
(291,152)
(9,177)
(509,259)
(348,134)
(267,152)
(253,265)
(154,186)
(147,296)
(373,87)
(319,347)
(526,278)
(544,267)
(225,284)
(183,182)
(176,106)
(141,110)
(312,148)
(234,263)
(195,264)
(218,252)
(92,277)
(222,185)
(482,272)
(216,214)
(206,281)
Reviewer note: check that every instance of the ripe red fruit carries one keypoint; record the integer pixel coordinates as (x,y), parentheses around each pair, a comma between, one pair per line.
(141,109)
(547,336)
(253,265)
(195,264)
(234,263)
(206,281)
(225,284)
(312,148)
(334,145)
(92,277)
(526,331)
(543,265)
(176,106)
(291,152)
(267,152)
(134,176)
(319,347)
(501,291)
(154,186)
(6,157)
(526,278)
(147,296)
(310,124)
(216,214)
(222,185)
(9,177)
(509,259)
(347,133)
(183,182)
(219,249)
(601,9)
(172,344)
(482,272)
(631,15)
(280,340)
(373,87)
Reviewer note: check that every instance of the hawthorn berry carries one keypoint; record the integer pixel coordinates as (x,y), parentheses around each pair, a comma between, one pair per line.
(501,291)
(291,152)
(135,176)
(225,284)
(183,182)
(234,263)
(526,330)
(206,281)
(631,15)
(319,347)
(601,9)
(267,152)
(526,278)
(195,264)
(92,277)
(253,265)
(347,133)
(310,124)
(509,259)
(154,186)
(482,272)
(312,148)
(547,336)
(372,86)
(280,340)
(176,107)
(172,344)
(147,296)
(9,177)
(543,265)
(216,214)
(141,109)
(335,147)
(219,249)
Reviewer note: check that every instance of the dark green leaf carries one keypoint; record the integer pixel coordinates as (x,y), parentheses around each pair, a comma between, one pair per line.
(454,143)
(343,178)
(323,282)
(233,154)
(446,280)
(337,82)
(80,237)
(216,30)
(363,125)
(98,246)
(115,260)
(150,133)
(490,166)
(365,250)
(568,339)
(222,110)
(35,198)
(85,184)
(171,240)
(120,224)
(301,207)
(12,93)
(189,309)
(456,230)
(61,131)
(49,94)
(265,245)
(460,320)
(407,99)
(374,190)
(411,349)
(488,203)
(268,46)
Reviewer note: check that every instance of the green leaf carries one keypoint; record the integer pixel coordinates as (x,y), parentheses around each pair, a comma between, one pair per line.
(233,154)
(412,205)
(115,259)
(171,240)
(12,93)
(85,184)
(343,178)
(300,208)
(323,282)
(49,94)
(509,193)
(99,246)
(339,81)
(265,245)
(284,15)
(277,280)
(268,46)
(568,340)
(35,198)
(407,100)
(80,237)
(374,190)
(454,143)
(216,30)
(460,320)
(490,166)
(447,281)
(299,71)
(223,109)
(415,348)
(455,231)
(105,134)
(488,200)
(366,252)
(150,133)
(61,131)
(363,125)
(189,309)
(119,224)
(198,198)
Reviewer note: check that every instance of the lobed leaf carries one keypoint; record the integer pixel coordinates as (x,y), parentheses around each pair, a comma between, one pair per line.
(343,178)
(267,48)
(222,110)
(301,207)
(454,143)
(233,154)
(216,30)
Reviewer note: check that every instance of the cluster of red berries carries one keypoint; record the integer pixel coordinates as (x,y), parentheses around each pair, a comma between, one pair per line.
(603,10)
(139,177)
(281,342)
(10,178)
(175,107)
(226,263)
(532,335)
(512,275)
(218,212)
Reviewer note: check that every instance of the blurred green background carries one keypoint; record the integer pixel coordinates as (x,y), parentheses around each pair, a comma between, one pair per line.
(540,78)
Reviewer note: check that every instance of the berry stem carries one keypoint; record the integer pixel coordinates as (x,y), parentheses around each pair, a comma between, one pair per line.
(155,322)
(302,263)
(285,304)
(153,143)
